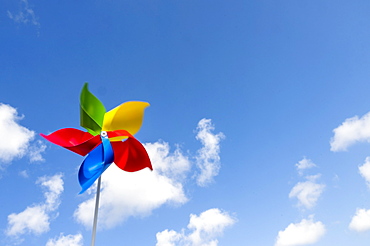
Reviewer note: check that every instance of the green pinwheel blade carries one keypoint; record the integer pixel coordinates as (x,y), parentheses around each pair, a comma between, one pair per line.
(91,111)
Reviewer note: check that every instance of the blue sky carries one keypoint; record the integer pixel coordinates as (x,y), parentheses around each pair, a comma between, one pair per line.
(257,129)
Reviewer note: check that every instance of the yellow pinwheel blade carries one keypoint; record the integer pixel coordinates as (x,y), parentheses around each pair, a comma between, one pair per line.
(127,116)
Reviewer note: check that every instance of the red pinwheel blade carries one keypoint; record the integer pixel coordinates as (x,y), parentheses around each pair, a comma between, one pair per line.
(75,140)
(131,155)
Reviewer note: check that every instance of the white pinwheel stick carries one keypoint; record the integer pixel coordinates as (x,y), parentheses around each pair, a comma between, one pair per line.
(96,212)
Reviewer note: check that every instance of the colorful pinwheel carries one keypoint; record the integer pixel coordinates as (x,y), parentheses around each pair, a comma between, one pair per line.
(109,138)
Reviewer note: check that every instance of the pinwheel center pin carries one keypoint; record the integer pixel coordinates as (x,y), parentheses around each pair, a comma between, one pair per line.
(103,134)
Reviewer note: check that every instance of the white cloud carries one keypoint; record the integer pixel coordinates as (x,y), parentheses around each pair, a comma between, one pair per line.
(175,165)
(168,238)
(307,192)
(15,140)
(304,164)
(131,194)
(54,188)
(25,14)
(36,219)
(365,170)
(360,221)
(32,219)
(69,240)
(303,233)
(203,230)
(138,194)
(208,159)
(352,130)
(35,151)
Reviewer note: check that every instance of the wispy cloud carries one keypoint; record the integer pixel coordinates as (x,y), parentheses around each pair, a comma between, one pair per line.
(303,233)
(307,192)
(352,130)
(25,14)
(360,221)
(208,158)
(69,240)
(138,194)
(303,165)
(35,219)
(16,140)
(23,174)
(35,150)
(202,230)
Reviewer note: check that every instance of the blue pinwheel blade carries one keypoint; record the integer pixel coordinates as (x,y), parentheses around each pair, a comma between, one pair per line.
(108,156)
(95,163)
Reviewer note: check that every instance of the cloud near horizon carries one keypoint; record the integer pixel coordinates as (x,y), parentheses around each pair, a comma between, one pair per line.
(352,130)
(202,230)
(303,233)
(360,221)
(69,240)
(126,194)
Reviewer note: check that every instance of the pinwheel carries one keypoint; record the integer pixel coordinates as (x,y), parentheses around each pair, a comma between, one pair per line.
(109,138)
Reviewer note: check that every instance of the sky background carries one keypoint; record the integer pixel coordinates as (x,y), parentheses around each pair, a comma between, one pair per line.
(258,129)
